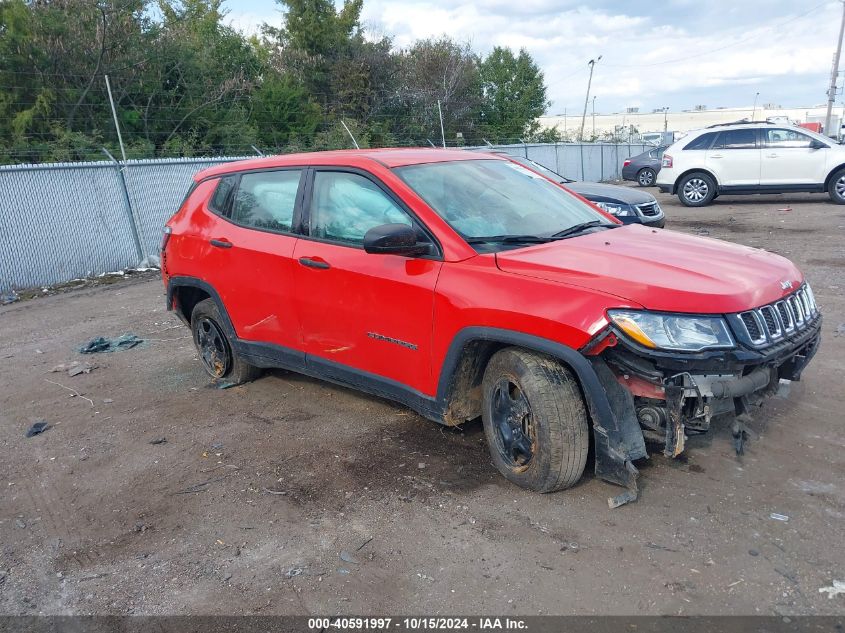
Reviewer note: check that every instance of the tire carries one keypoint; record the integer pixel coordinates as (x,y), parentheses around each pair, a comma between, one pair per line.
(218,358)
(546,450)
(696,190)
(836,187)
(645,177)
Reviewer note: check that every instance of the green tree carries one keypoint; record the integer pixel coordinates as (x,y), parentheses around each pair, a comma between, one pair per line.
(514,95)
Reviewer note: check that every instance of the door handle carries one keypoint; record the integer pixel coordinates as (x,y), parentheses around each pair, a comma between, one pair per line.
(771,155)
(222,243)
(715,156)
(314,263)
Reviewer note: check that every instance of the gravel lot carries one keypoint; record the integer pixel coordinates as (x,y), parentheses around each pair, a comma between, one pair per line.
(290,496)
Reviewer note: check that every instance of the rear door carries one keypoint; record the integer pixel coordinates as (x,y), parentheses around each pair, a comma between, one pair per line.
(369,312)
(734,158)
(253,244)
(790,159)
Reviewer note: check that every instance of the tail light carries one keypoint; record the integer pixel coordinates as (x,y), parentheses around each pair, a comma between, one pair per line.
(627,162)
(667,161)
(165,237)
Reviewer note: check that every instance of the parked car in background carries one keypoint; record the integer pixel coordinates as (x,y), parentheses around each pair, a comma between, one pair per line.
(464,285)
(643,168)
(628,205)
(745,158)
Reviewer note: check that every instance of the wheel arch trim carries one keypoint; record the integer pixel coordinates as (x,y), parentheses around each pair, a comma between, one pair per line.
(194,282)
(617,435)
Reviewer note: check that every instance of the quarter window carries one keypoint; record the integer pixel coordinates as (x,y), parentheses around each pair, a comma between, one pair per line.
(221,194)
(266,200)
(780,137)
(345,206)
(736,139)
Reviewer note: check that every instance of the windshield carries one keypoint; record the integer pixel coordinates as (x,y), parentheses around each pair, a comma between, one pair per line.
(490,198)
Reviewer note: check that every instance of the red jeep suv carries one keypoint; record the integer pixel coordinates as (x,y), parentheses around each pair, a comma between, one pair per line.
(465,285)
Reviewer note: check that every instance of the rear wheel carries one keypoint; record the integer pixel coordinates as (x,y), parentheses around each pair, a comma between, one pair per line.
(645,177)
(836,187)
(219,359)
(696,190)
(534,420)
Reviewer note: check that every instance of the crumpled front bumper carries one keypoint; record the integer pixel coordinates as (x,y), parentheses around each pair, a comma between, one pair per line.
(675,394)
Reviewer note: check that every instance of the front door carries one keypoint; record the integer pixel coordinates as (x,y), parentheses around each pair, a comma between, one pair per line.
(735,158)
(790,158)
(372,313)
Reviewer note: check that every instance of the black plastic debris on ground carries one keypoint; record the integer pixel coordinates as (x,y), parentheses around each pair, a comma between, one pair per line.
(37,429)
(9,297)
(101,344)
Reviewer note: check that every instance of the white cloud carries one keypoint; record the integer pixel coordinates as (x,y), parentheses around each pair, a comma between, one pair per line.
(786,64)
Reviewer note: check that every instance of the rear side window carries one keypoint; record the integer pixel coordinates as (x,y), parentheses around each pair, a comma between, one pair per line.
(780,137)
(221,194)
(736,139)
(266,200)
(702,142)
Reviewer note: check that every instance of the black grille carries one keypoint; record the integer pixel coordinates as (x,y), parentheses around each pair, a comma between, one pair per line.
(770,323)
(751,325)
(785,316)
(769,318)
(650,209)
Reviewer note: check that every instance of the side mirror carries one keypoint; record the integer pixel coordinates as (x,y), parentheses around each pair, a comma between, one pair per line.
(394,239)
(816,144)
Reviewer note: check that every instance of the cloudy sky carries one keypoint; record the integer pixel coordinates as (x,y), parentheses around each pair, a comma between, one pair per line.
(675,53)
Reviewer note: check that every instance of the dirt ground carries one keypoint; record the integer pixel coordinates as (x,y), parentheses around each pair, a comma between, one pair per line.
(291,496)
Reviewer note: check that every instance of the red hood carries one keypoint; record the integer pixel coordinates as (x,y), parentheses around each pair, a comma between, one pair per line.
(660,270)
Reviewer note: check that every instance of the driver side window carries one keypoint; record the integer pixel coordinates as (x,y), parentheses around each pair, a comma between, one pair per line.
(345,206)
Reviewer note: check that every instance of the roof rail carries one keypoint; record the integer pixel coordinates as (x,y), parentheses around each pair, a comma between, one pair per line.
(740,122)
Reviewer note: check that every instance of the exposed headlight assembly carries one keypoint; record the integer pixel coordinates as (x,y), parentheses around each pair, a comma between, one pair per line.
(683,333)
(617,209)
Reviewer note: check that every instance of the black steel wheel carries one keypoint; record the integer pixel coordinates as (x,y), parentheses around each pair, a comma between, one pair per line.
(216,353)
(534,419)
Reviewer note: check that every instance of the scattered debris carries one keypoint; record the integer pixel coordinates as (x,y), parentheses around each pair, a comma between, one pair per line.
(107,401)
(421,465)
(20,523)
(661,547)
(159,440)
(37,429)
(227,577)
(9,297)
(837,588)
(840,329)
(753,552)
(101,344)
(785,209)
(294,571)
(363,545)
(733,584)
(621,499)
(275,492)
(140,527)
(778,517)
(346,557)
(84,368)
(73,392)
(343,571)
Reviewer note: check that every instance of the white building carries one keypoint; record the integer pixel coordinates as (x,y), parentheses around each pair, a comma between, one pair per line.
(686,120)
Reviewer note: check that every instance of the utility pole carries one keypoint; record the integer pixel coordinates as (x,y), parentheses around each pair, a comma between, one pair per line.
(831,91)
(754,109)
(116,124)
(592,65)
(594,118)
(665,119)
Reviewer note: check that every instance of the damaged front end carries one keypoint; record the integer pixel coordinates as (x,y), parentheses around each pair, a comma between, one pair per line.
(675,394)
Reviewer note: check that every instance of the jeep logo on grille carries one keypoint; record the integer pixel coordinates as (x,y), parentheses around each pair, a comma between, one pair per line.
(786,284)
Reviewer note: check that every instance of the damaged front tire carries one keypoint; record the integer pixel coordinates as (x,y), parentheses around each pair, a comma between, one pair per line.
(535,420)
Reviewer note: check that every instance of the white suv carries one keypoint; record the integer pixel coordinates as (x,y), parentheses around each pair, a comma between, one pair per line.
(741,158)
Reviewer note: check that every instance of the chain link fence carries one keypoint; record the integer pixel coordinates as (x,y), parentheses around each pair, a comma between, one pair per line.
(62,221)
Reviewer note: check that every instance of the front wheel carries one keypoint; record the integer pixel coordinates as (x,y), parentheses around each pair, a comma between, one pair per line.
(836,188)
(535,420)
(696,190)
(219,359)
(645,178)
